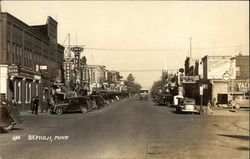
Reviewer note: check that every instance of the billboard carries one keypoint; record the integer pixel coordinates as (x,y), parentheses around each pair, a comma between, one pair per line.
(217,67)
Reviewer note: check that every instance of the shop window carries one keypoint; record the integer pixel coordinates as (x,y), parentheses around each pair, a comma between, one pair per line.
(19,92)
(37,89)
(29,99)
(26,92)
(15,91)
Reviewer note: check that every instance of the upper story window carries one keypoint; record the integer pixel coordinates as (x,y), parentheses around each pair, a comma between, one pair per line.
(237,71)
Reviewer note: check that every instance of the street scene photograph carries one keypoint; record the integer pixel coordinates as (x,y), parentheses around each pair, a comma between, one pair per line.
(124,79)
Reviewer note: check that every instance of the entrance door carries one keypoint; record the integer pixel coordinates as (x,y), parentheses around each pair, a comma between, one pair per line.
(222,98)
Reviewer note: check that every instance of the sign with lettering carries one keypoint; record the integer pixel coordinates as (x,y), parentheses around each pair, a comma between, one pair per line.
(13,69)
(217,68)
(77,49)
(238,87)
(43,67)
(226,76)
(189,79)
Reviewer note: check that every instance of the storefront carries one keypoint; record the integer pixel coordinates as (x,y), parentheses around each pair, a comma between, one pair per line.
(23,85)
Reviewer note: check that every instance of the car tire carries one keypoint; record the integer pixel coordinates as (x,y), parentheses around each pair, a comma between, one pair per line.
(237,106)
(59,110)
(84,110)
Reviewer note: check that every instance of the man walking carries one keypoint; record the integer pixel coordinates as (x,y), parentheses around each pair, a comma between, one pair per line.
(36,105)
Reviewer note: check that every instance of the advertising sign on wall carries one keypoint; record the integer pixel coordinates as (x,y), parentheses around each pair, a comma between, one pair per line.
(216,68)
(238,87)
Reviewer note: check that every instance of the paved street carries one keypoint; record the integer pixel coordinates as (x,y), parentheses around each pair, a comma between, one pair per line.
(129,128)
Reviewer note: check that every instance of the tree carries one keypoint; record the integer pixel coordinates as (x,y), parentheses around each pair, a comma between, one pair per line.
(130,78)
(132,86)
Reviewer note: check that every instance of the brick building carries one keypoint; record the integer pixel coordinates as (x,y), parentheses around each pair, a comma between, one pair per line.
(30,58)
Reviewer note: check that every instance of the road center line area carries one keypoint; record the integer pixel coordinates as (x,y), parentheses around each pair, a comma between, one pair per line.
(129,129)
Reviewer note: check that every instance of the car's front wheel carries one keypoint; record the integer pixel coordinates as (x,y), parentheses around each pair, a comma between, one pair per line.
(84,109)
(59,110)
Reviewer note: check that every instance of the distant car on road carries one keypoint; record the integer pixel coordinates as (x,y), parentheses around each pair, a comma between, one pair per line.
(143,93)
(186,105)
(82,104)
(239,101)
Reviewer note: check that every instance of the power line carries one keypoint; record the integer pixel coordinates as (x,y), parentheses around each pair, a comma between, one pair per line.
(145,70)
(163,49)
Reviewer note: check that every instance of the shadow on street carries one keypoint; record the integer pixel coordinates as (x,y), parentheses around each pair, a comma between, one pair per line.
(242,137)
(243,148)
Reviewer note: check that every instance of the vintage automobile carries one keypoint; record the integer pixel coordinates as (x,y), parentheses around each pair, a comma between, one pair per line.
(97,101)
(239,101)
(143,93)
(9,115)
(164,99)
(82,104)
(186,105)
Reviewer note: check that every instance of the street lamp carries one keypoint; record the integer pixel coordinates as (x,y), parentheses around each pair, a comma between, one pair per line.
(232,84)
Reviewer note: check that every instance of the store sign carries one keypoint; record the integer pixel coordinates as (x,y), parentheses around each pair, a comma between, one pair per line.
(37,77)
(13,69)
(189,79)
(217,69)
(238,87)
(76,49)
(226,76)
(43,67)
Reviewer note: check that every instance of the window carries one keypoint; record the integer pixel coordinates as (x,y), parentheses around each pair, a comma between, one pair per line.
(29,99)
(19,92)
(21,54)
(26,92)
(15,91)
(17,53)
(37,89)
(13,52)
(8,50)
(237,71)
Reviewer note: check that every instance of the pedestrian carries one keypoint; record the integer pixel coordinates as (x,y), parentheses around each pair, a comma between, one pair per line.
(36,105)
(209,110)
(214,102)
(32,107)
(48,104)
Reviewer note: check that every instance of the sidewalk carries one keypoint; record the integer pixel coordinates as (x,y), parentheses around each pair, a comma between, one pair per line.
(29,113)
(226,111)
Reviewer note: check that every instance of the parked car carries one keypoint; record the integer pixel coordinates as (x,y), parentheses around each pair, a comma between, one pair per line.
(98,101)
(186,105)
(164,99)
(239,101)
(82,104)
(143,93)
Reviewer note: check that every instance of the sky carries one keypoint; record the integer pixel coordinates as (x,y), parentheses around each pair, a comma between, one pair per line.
(143,37)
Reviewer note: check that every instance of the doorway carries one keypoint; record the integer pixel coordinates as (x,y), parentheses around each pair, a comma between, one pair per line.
(222,98)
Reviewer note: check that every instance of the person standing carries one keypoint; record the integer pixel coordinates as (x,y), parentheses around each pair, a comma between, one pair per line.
(209,110)
(36,105)
(32,105)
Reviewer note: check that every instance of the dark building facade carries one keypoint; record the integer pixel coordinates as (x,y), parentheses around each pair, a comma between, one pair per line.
(30,59)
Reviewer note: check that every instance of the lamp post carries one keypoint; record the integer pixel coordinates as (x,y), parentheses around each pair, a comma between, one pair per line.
(232,82)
